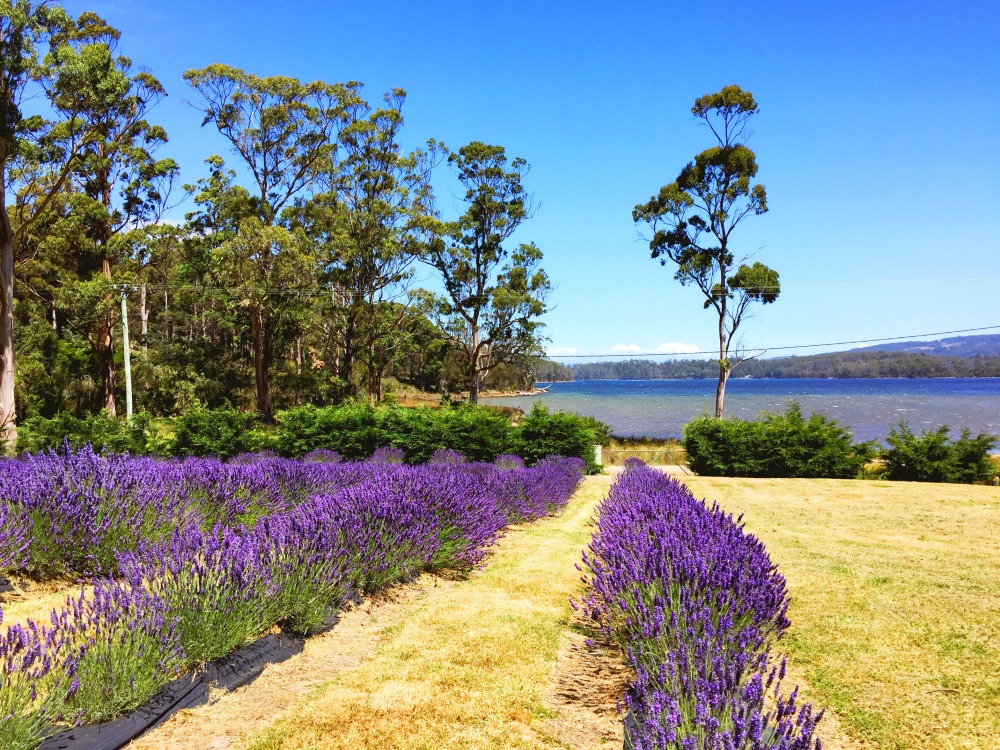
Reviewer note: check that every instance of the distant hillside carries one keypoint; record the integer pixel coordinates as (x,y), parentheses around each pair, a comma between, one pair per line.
(987,345)
(977,357)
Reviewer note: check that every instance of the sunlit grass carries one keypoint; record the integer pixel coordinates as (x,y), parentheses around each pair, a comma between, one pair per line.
(895,601)
(470,668)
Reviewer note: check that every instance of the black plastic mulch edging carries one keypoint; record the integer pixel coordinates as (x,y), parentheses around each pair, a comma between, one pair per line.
(192,689)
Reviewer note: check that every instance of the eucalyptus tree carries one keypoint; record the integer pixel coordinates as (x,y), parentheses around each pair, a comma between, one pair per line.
(693,218)
(284,131)
(494,296)
(264,267)
(371,218)
(122,185)
(155,253)
(58,63)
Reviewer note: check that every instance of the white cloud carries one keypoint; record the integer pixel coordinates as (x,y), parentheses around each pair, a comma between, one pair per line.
(564,351)
(669,347)
(624,349)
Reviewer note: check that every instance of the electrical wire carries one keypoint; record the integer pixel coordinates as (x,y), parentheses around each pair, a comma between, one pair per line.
(778,348)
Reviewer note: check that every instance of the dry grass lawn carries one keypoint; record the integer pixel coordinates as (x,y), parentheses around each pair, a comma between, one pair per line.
(474,665)
(896,601)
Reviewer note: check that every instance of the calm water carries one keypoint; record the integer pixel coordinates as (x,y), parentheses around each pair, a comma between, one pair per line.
(658,408)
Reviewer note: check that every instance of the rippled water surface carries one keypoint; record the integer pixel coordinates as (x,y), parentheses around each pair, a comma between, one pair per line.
(659,408)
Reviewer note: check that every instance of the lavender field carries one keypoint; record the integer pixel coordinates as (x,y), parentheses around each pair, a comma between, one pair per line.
(189,560)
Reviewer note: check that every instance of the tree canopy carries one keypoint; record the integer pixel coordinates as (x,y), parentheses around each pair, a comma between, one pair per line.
(693,218)
(290,280)
(494,296)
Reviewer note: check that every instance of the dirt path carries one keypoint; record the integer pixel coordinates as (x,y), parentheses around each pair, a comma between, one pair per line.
(490,661)
(232,717)
(35,600)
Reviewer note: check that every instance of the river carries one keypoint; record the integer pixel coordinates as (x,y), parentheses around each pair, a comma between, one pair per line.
(659,408)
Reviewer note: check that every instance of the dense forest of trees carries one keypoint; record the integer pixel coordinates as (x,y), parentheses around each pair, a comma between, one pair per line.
(289,281)
(878,364)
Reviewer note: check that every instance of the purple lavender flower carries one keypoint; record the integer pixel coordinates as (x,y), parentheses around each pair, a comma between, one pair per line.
(695,603)
(447,456)
(387,455)
(194,557)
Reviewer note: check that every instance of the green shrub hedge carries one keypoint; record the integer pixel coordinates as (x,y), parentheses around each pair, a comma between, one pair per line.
(933,456)
(543,433)
(219,432)
(777,445)
(105,433)
(355,431)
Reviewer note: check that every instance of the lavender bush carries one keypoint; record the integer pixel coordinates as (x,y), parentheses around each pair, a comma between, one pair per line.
(322,456)
(117,646)
(386,535)
(23,664)
(509,461)
(194,557)
(82,508)
(695,603)
(211,582)
(446,456)
(72,513)
(388,455)
(306,565)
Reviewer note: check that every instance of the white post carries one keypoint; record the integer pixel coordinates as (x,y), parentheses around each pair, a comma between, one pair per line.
(128,356)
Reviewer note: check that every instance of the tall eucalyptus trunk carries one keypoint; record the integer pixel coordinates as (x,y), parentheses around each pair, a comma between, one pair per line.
(8,427)
(143,315)
(261,364)
(724,367)
(105,345)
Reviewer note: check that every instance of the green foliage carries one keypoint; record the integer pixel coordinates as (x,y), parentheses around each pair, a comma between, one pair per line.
(692,219)
(543,433)
(778,445)
(601,430)
(479,433)
(106,434)
(355,431)
(495,296)
(934,457)
(286,288)
(219,432)
(352,430)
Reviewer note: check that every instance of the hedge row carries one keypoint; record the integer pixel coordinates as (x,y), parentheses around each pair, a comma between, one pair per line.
(354,431)
(790,445)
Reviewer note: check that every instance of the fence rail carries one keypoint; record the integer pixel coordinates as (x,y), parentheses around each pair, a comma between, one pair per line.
(651,456)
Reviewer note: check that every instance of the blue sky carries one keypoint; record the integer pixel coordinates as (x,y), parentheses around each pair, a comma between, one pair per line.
(877,140)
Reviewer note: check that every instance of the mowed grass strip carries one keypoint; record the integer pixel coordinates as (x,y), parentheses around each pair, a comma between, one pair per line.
(895,601)
(468,669)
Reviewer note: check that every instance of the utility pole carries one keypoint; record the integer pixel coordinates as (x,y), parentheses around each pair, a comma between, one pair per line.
(125,289)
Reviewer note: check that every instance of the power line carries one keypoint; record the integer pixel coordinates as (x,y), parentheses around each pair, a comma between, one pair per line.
(763,349)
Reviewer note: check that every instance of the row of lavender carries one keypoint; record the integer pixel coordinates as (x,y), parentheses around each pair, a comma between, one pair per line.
(192,558)
(695,603)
